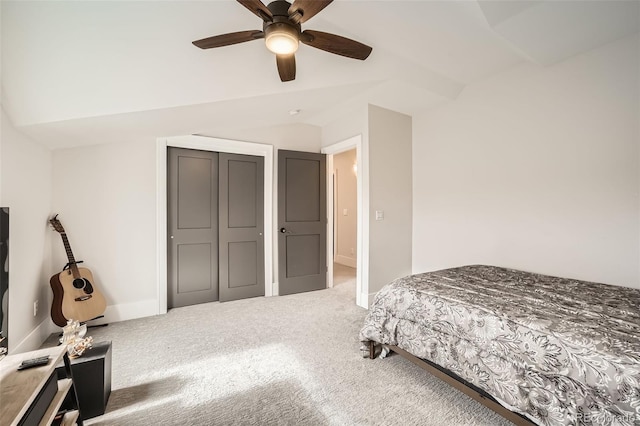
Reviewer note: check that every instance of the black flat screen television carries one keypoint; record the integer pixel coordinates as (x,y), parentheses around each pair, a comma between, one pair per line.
(4,280)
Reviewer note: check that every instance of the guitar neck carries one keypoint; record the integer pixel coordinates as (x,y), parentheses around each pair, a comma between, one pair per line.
(72,260)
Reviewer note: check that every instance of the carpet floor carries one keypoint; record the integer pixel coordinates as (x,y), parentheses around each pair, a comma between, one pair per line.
(290,360)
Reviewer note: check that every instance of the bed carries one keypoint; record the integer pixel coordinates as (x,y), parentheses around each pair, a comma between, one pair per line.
(552,351)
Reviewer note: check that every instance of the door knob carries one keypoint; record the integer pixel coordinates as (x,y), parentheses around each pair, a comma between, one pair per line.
(282,230)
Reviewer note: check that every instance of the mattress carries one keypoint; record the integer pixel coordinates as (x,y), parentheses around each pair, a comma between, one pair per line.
(558,351)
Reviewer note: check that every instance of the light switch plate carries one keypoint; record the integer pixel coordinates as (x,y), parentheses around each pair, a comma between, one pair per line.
(379,214)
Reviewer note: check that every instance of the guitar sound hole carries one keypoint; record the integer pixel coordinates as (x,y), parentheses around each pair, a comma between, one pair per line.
(78,282)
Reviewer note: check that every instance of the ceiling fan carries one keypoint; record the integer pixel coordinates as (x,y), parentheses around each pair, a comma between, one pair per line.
(282,33)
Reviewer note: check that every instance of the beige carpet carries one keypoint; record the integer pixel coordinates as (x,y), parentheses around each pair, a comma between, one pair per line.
(291,360)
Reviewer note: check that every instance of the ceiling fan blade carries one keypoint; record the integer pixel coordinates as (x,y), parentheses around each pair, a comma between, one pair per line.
(286,67)
(227,39)
(303,10)
(336,44)
(258,8)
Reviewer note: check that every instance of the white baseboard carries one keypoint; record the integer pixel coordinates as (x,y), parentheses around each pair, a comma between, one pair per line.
(346,261)
(127,311)
(113,313)
(35,339)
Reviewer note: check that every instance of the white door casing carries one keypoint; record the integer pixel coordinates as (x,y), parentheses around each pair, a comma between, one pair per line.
(362,249)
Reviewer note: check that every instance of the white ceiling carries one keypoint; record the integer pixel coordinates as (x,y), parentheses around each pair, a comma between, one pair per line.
(78,72)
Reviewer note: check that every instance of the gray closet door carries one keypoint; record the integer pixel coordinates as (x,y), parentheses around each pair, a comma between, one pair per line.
(192,227)
(302,222)
(241,226)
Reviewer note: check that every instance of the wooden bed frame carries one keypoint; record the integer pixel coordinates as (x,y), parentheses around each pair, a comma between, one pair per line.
(458,383)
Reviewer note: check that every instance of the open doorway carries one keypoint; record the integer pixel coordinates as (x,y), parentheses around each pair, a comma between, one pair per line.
(345,220)
(361,247)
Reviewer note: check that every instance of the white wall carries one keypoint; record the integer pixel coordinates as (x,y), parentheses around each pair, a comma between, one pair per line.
(349,125)
(346,208)
(386,172)
(25,175)
(296,137)
(105,195)
(537,169)
(390,191)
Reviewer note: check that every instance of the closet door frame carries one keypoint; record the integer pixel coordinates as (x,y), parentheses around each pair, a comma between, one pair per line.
(206,143)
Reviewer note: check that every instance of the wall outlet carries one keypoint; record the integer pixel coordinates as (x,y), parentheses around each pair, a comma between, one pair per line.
(35,308)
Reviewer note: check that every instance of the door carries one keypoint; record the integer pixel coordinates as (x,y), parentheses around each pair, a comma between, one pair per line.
(302,222)
(192,226)
(241,228)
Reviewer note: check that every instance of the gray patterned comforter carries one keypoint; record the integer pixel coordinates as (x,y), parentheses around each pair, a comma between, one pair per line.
(557,350)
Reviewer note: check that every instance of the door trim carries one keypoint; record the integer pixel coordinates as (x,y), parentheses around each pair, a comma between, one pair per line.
(207,143)
(362,237)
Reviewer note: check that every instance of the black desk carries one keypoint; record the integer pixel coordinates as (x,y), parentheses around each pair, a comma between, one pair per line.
(92,379)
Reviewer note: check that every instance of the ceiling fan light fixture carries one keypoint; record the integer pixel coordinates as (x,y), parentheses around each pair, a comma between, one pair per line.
(281,39)
(282,31)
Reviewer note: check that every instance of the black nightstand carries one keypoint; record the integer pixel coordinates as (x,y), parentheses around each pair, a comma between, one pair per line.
(92,379)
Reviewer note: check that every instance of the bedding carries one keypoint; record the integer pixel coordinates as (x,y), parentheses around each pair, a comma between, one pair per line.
(558,351)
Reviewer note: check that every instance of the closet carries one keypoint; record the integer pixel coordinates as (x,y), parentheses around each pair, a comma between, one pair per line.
(215,208)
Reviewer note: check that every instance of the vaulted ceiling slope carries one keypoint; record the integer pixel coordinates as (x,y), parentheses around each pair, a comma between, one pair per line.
(128,68)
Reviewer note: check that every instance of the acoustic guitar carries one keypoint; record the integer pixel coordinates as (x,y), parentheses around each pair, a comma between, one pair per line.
(74,293)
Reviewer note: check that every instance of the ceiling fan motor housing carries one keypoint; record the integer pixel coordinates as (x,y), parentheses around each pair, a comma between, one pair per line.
(281,22)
